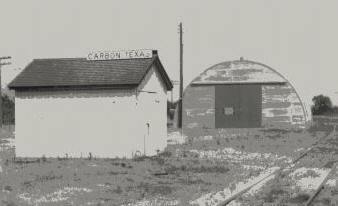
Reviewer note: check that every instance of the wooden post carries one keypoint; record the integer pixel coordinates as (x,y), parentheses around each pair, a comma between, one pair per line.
(180,102)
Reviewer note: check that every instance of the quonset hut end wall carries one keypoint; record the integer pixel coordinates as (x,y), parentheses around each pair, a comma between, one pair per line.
(241,94)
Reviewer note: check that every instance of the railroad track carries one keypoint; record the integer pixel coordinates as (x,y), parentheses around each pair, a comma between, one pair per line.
(288,169)
(320,187)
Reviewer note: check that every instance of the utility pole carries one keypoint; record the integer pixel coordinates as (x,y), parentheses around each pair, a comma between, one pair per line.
(172,96)
(2,64)
(180,103)
(175,82)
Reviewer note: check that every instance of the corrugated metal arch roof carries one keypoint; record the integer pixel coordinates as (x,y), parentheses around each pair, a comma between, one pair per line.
(237,72)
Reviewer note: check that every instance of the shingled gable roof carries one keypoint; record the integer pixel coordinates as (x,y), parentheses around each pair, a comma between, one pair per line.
(79,72)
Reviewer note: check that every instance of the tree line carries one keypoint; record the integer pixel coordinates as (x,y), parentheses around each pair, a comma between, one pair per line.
(322,105)
(8,110)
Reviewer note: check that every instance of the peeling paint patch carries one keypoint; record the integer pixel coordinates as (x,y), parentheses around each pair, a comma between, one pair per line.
(271,112)
(199,107)
(210,111)
(7,143)
(243,72)
(278,90)
(286,119)
(188,112)
(282,97)
(275,104)
(279,111)
(297,119)
(192,125)
(240,79)
(238,71)
(208,74)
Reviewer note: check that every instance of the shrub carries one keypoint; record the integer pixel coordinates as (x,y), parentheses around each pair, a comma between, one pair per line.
(322,105)
(43,158)
(165,153)
(8,108)
(171,106)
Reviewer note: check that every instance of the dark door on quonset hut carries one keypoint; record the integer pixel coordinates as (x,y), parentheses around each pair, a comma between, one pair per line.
(238,106)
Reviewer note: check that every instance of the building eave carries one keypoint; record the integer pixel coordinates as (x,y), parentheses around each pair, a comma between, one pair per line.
(72,87)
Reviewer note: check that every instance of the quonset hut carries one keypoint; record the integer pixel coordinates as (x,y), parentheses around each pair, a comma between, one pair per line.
(236,95)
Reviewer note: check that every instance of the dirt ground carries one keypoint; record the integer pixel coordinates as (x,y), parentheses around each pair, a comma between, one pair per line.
(194,173)
(110,181)
(296,184)
(162,180)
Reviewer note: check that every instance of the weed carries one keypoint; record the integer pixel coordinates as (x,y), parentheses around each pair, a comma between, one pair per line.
(117,173)
(7,203)
(43,158)
(165,154)
(185,154)
(130,179)
(26,161)
(183,167)
(274,194)
(154,189)
(118,190)
(300,198)
(159,160)
(140,158)
(218,142)
(28,184)
(44,178)
(191,181)
(8,188)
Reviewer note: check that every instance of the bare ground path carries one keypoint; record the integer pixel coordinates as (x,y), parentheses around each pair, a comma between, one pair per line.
(310,181)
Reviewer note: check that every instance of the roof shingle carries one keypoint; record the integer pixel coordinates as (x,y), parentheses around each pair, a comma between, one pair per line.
(68,72)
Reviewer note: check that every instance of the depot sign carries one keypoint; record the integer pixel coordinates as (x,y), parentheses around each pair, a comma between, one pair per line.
(126,54)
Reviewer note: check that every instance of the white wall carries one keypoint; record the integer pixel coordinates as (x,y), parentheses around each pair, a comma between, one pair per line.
(107,123)
(152,100)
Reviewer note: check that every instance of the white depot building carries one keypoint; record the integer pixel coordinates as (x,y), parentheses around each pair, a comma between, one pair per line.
(110,104)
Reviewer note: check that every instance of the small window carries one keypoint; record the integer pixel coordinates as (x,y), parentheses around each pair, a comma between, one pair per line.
(228,111)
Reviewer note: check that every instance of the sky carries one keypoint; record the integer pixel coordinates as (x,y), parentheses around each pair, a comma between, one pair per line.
(298,38)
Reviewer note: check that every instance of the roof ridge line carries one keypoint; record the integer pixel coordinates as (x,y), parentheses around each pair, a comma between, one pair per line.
(84,58)
(63,58)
